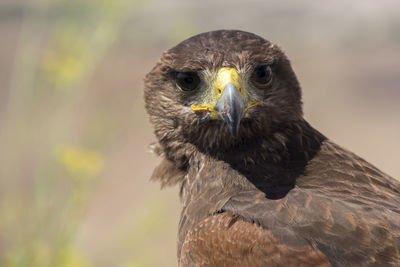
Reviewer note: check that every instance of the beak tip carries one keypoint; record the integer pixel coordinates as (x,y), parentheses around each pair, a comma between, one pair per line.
(235,132)
(230,108)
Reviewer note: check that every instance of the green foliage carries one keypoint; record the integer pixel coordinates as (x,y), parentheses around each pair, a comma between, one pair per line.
(50,173)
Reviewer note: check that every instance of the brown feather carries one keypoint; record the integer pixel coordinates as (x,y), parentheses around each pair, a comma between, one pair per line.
(281,193)
(226,240)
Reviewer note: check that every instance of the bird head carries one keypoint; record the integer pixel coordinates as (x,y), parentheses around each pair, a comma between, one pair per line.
(221,88)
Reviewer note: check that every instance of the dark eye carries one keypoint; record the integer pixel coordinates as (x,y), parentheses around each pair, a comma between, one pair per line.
(187,81)
(262,76)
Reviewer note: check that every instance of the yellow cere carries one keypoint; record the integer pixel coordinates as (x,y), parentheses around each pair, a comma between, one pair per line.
(206,107)
(225,76)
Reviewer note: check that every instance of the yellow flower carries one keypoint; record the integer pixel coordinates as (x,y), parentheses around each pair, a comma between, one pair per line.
(80,162)
(70,257)
(62,69)
(66,61)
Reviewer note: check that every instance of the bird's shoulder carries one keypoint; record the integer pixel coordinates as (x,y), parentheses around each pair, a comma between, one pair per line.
(344,204)
(225,239)
(347,233)
(343,210)
(337,172)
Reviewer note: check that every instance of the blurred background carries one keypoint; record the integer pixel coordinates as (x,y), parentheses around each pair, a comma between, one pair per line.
(74,135)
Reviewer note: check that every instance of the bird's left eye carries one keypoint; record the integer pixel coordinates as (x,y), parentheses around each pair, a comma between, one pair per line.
(187,81)
(262,76)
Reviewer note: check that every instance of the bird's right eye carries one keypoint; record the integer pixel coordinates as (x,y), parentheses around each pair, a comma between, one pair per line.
(187,81)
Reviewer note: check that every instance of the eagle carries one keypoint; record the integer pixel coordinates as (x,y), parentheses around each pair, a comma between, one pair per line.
(259,186)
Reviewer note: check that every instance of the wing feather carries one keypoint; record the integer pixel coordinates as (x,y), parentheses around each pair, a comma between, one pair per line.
(225,239)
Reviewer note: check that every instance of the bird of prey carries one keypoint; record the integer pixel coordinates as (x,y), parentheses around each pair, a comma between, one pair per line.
(259,185)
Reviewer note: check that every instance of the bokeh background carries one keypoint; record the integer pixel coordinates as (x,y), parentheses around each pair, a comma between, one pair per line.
(74,161)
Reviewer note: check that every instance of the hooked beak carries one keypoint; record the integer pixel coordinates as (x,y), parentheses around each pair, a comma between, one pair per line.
(228,100)
(230,107)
